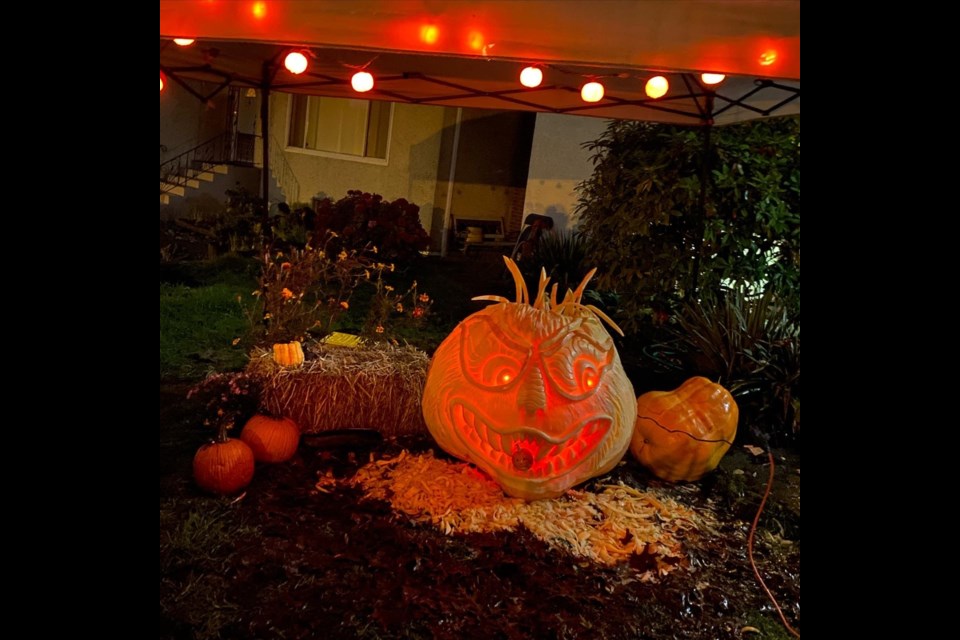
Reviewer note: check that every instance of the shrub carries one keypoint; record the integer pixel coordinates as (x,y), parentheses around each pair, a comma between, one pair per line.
(672,212)
(364,220)
(751,345)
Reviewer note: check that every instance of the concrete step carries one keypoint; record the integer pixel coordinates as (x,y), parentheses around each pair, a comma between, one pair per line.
(196,174)
(172,189)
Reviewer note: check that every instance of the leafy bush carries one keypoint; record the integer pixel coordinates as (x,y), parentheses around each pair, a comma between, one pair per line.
(364,220)
(671,212)
(564,256)
(752,347)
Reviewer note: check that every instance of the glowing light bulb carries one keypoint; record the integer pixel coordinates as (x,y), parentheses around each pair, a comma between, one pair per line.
(429,33)
(259,10)
(531,77)
(361,81)
(295,62)
(505,378)
(476,40)
(768,57)
(712,78)
(656,87)
(592,92)
(161,82)
(184,42)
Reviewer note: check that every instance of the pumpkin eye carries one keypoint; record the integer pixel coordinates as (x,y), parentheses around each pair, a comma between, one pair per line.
(488,359)
(575,369)
(499,371)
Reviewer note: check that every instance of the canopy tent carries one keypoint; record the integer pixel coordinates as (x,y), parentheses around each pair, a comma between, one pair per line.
(469,54)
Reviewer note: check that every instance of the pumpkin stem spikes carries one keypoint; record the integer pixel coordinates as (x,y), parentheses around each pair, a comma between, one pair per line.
(571,305)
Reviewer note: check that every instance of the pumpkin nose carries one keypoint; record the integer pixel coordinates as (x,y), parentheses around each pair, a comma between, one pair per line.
(532,395)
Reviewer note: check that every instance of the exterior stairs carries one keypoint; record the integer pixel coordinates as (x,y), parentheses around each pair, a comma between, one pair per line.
(187,180)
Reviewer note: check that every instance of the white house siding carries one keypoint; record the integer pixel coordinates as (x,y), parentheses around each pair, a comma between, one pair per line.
(558,163)
(410,172)
(185,122)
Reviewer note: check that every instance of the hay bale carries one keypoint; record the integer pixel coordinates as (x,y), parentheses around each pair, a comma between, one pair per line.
(372,387)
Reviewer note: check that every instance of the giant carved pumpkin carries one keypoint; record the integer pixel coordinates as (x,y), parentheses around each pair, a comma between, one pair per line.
(682,434)
(532,393)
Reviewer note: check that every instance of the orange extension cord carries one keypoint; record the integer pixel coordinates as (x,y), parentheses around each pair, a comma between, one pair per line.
(753,530)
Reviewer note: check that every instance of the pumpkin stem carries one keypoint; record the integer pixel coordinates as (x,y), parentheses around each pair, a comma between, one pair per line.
(222,431)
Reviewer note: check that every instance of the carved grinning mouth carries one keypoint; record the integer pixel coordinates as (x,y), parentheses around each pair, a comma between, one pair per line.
(527,451)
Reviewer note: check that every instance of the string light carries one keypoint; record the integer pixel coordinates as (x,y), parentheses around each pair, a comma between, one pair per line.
(295,62)
(184,42)
(429,33)
(361,82)
(768,57)
(531,77)
(161,82)
(712,78)
(592,92)
(656,87)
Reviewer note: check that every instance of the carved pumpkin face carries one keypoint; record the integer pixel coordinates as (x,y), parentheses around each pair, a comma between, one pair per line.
(534,395)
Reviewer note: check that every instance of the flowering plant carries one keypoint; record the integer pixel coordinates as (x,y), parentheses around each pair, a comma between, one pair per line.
(363,220)
(390,308)
(304,289)
(227,399)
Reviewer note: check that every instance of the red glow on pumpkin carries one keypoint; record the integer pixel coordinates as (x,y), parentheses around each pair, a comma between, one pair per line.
(768,57)
(429,34)
(259,10)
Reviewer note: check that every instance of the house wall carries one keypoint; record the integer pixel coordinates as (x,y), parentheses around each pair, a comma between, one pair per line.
(410,172)
(185,122)
(492,161)
(558,163)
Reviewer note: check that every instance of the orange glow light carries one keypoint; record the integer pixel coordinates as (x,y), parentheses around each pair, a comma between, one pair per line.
(361,82)
(161,82)
(531,77)
(505,378)
(184,42)
(592,92)
(712,78)
(656,87)
(429,34)
(768,57)
(295,62)
(259,10)
(476,40)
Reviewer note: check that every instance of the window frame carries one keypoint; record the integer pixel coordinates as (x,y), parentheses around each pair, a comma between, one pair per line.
(333,154)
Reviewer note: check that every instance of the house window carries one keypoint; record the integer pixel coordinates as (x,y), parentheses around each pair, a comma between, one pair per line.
(339,126)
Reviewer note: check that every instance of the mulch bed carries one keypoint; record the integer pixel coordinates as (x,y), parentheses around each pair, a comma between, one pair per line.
(289,560)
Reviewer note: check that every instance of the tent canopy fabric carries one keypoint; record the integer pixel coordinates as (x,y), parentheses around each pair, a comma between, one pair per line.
(469,54)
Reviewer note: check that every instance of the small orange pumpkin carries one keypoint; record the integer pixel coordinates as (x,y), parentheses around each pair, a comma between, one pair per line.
(682,434)
(288,354)
(223,467)
(271,439)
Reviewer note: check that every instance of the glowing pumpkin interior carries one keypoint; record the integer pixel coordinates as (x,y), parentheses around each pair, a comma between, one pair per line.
(532,392)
